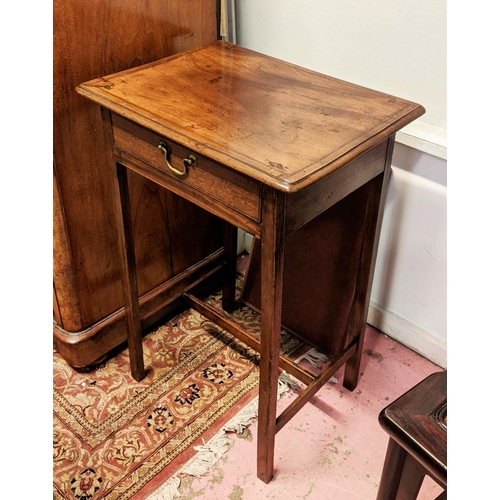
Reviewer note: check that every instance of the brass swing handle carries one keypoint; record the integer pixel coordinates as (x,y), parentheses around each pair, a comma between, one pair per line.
(186,162)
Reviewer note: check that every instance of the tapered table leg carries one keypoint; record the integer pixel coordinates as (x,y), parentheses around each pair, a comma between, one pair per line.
(373,225)
(129,273)
(402,475)
(273,235)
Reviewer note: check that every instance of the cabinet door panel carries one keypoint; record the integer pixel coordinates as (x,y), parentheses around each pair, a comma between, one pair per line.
(93,39)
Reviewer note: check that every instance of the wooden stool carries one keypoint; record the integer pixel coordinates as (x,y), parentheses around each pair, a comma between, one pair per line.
(417,428)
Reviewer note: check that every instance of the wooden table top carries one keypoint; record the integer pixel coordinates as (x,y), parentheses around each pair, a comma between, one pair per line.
(276,122)
(415,421)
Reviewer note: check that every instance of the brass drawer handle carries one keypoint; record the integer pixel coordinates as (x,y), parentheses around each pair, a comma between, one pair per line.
(186,162)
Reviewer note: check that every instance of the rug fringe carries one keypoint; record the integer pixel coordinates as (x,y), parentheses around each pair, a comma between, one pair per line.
(207,455)
(313,355)
(210,453)
(169,490)
(287,382)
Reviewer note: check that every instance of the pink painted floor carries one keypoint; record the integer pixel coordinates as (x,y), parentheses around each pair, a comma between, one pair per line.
(334,447)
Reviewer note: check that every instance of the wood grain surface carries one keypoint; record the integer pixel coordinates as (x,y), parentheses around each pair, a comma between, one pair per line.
(261,116)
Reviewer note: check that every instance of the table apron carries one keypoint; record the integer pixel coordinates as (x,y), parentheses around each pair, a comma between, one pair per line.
(187,192)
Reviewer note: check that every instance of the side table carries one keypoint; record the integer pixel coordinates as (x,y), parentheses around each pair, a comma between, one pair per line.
(268,147)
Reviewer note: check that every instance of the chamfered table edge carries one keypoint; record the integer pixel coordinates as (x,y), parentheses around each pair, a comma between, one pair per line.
(256,171)
(244,167)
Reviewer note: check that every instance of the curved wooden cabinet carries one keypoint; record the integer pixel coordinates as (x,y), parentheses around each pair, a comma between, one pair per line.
(175,241)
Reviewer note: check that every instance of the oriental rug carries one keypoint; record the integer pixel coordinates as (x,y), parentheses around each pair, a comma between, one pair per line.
(115,438)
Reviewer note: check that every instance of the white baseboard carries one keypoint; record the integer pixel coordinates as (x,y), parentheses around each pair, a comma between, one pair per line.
(244,241)
(428,345)
(424,137)
(240,247)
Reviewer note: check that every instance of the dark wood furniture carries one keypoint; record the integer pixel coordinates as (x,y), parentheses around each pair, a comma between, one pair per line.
(269,147)
(417,427)
(92,39)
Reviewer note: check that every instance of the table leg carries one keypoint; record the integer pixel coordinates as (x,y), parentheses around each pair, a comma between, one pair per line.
(129,272)
(273,235)
(229,273)
(402,475)
(373,225)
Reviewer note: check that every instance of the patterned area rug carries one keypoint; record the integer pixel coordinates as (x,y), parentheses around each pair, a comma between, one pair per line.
(115,438)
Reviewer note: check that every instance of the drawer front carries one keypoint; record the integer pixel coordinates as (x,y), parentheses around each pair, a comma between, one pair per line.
(206,176)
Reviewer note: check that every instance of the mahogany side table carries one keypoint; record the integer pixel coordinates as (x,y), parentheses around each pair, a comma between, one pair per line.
(271,148)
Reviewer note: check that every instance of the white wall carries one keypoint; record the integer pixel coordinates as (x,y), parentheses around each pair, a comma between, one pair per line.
(398,47)
(395,46)
(408,300)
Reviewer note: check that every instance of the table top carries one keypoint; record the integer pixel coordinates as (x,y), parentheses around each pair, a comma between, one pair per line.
(281,124)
